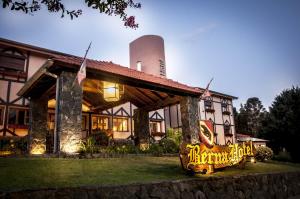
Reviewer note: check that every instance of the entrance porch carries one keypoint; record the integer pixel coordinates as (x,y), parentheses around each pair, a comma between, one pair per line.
(72,112)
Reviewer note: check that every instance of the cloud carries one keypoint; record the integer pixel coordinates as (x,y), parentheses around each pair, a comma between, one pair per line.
(194,34)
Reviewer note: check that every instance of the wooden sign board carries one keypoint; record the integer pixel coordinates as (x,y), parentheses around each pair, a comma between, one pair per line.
(204,157)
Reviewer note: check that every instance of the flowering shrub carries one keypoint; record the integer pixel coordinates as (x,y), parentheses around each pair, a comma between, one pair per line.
(263,153)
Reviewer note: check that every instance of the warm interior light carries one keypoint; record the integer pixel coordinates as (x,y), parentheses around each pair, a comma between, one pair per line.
(111,91)
(52,103)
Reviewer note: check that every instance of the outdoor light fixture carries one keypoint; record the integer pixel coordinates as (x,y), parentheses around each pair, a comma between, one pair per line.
(38,147)
(252,160)
(111,91)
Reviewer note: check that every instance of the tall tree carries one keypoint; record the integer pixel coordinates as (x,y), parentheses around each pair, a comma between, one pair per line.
(255,113)
(282,125)
(108,7)
(250,116)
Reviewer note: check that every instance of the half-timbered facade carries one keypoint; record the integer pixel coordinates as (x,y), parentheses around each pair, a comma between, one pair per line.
(18,63)
(218,109)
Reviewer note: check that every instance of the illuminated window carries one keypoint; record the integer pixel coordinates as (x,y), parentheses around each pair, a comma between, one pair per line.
(99,122)
(139,66)
(1,114)
(18,116)
(120,124)
(51,121)
(155,127)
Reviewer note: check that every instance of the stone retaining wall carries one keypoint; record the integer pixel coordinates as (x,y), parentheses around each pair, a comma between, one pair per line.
(273,185)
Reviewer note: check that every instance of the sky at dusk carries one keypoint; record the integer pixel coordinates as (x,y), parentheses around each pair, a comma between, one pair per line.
(250,48)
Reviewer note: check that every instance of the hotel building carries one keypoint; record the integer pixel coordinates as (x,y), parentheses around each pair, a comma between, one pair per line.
(21,62)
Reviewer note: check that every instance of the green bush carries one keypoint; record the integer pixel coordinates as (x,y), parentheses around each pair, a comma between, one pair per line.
(88,146)
(101,138)
(124,149)
(175,135)
(169,145)
(16,145)
(263,153)
(155,149)
(283,156)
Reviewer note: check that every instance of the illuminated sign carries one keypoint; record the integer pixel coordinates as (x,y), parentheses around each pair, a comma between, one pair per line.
(205,156)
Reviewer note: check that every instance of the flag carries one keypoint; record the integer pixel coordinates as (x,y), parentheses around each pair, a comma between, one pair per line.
(206,93)
(81,75)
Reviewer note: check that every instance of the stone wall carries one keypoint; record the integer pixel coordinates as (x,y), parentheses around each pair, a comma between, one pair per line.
(141,127)
(38,128)
(69,113)
(189,119)
(276,185)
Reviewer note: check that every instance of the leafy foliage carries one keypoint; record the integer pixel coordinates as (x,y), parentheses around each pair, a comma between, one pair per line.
(281,126)
(88,146)
(100,137)
(249,119)
(263,153)
(175,135)
(108,7)
(169,145)
(15,145)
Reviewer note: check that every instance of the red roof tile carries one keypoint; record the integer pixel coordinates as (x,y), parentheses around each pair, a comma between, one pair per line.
(112,68)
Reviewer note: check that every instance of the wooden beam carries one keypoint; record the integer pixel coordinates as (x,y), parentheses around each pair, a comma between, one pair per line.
(158,95)
(128,91)
(145,94)
(162,103)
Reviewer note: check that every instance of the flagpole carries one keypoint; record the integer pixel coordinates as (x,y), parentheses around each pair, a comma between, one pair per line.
(86,52)
(206,89)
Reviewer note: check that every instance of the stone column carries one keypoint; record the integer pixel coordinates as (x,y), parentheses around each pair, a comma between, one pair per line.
(190,119)
(141,128)
(38,125)
(68,114)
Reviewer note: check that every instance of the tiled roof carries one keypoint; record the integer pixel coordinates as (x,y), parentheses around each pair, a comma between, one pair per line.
(116,69)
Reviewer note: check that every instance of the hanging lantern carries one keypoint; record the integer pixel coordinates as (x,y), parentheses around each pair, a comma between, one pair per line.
(111,91)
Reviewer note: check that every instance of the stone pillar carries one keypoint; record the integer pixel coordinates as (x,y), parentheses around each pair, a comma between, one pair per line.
(38,125)
(68,114)
(141,128)
(190,119)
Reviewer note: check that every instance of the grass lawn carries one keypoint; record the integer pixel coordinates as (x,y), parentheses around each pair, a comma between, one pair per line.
(24,173)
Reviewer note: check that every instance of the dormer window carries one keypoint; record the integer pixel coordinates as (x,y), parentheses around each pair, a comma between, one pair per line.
(12,59)
(208,104)
(225,107)
(227,129)
(139,66)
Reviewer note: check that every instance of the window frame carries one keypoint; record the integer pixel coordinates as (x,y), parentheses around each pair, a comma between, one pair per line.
(16,124)
(227,128)
(122,129)
(208,104)
(2,113)
(100,125)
